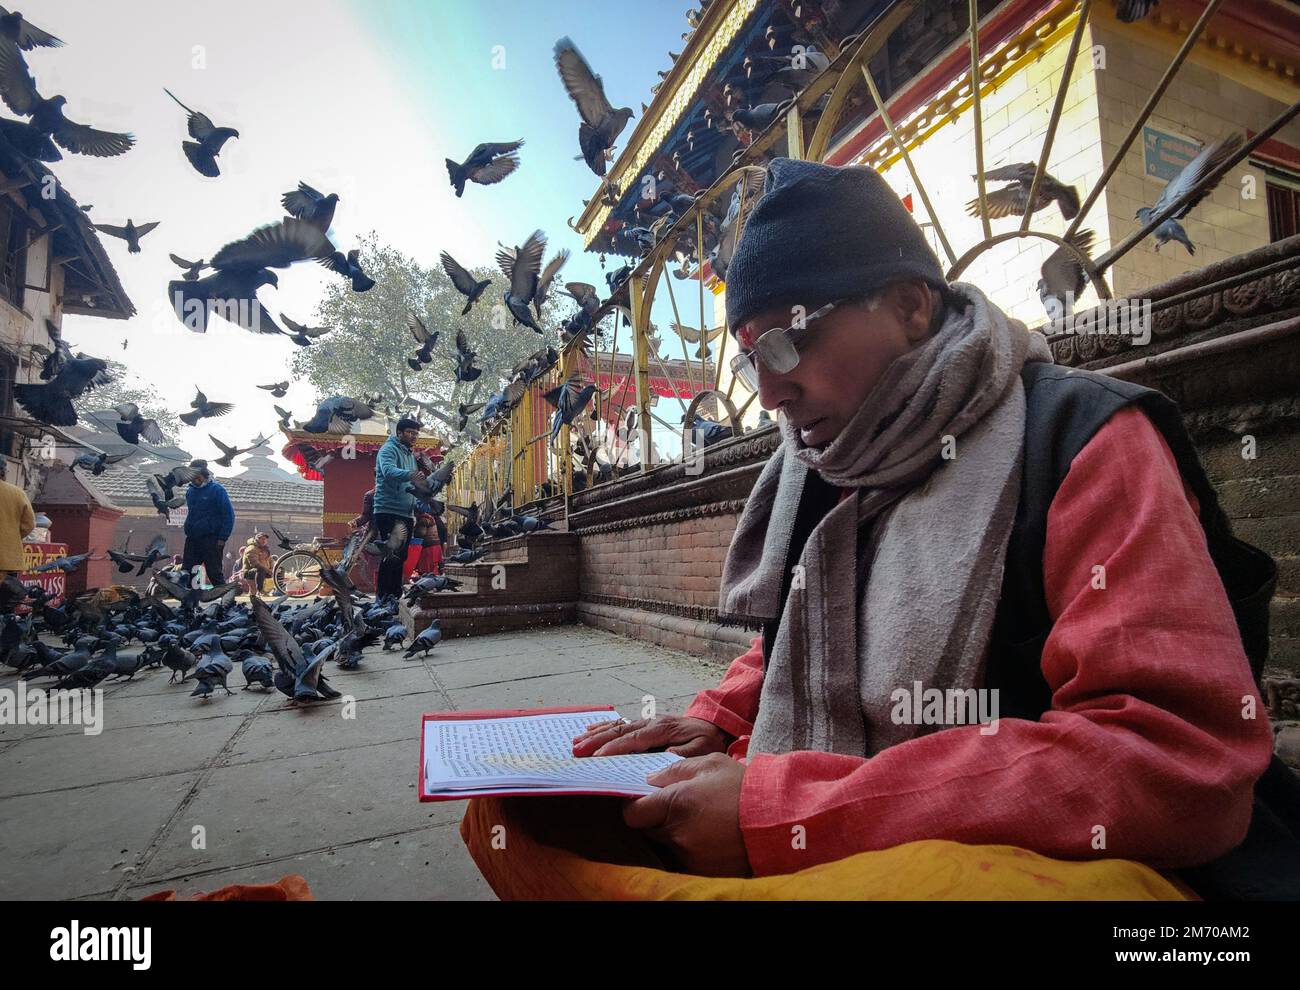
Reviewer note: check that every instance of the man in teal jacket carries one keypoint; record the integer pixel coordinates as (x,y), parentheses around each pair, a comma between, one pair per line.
(394,471)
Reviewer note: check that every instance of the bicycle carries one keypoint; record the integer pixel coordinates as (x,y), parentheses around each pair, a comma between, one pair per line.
(297,572)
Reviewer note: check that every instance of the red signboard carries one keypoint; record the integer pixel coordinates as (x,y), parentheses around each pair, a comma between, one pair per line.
(53,581)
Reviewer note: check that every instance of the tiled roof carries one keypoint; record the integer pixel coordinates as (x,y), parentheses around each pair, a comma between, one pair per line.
(127,487)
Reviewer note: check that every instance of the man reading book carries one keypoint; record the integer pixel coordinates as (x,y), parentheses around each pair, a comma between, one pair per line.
(886,549)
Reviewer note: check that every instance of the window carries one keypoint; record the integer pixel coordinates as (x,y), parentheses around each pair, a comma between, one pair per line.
(13,264)
(1282,195)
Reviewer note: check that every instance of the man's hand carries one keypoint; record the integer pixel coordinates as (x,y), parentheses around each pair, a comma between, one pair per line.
(696,813)
(681,735)
(418,475)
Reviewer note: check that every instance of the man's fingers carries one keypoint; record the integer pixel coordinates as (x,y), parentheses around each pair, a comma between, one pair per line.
(589,742)
(676,772)
(699,746)
(650,811)
(637,737)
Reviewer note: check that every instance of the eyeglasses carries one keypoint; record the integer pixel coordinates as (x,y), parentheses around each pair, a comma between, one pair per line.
(777,348)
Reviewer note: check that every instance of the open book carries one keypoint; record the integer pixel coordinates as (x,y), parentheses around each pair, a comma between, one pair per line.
(477,754)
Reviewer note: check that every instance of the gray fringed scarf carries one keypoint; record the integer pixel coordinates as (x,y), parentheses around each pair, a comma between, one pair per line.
(924,539)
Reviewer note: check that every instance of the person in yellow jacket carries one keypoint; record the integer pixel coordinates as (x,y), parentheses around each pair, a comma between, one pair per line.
(16,521)
(255,561)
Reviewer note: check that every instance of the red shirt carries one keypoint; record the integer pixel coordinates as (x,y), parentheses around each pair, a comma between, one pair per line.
(1145,754)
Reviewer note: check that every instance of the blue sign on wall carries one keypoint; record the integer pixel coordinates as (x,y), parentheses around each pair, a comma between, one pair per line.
(1164,155)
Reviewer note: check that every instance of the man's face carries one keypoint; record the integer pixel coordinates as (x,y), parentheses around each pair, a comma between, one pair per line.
(262,541)
(199,480)
(408,437)
(841,357)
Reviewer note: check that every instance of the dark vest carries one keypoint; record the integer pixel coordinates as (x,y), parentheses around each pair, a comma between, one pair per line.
(1065,408)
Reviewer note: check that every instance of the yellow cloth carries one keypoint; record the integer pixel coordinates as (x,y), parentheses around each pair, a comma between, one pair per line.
(16,521)
(577,848)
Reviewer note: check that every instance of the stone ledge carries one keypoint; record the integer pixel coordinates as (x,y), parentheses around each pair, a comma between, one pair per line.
(703,639)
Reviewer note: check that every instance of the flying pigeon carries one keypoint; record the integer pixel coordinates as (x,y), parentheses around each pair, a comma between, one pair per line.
(1209,159)
(1064,277)
(601,123)
(464,281)
(522,267)
(208,140)
(203,409)
(487,164)
(130,233)
(47,125)
(308,204)
(1012,200)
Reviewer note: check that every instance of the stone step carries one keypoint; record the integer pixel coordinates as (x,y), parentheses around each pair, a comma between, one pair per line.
(531,579)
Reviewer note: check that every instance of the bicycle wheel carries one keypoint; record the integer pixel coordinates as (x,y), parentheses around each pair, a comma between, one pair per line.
(297,574)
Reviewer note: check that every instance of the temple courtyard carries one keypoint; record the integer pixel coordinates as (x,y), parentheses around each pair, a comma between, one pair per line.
(180,793)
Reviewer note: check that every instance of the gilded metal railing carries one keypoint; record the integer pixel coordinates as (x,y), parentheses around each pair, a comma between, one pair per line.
(826,99)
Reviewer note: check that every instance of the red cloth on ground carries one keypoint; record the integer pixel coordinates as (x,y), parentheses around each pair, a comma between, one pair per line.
(288,888)
(1146,736)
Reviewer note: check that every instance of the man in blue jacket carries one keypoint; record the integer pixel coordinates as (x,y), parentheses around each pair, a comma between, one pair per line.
(209,519)
(395,469)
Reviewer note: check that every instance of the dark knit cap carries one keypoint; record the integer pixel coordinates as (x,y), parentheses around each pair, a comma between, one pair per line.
(821,233)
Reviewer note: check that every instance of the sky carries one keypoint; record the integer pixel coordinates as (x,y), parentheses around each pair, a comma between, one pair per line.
(365,98)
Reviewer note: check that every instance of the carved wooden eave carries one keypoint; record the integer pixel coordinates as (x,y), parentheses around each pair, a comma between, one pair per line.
(719,25)
(1229,355)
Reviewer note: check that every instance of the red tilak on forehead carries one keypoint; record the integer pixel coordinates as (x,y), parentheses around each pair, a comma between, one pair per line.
(745,334)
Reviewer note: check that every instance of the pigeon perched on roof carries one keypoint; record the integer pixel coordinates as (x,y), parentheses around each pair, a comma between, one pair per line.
(487,164)
(208,141)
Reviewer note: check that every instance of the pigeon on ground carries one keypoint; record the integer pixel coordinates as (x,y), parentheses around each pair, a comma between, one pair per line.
(601,123)
(201,408)
(1209,159)
(130,233)
(298,677)
(428,638)
(487,164)
(257,670)
(394,635)
(208,140)
(176,658)
(464,281)
(213,669)
(1012,200)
